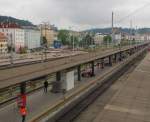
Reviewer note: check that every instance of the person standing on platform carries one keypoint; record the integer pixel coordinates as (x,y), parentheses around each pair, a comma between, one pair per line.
(45,86)
(23,113)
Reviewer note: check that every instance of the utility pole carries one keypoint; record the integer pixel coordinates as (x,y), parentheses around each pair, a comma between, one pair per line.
(12,48)
(46,42)
(72,37)
(130,31)
(112,21)
(42,59)
(73,44)
(112,27)
(136,35)
(45,45)
(11,45)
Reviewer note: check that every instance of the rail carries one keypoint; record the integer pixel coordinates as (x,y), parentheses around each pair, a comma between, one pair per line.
(60,103)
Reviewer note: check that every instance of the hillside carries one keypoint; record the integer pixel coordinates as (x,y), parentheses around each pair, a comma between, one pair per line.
(5,19)
(127,30)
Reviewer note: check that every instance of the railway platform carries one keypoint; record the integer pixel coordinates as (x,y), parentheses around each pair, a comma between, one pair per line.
(131,102)
(39,101)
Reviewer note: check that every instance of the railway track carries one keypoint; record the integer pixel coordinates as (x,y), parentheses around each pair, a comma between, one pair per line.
(2,67)
(73,113)
(101,101)
(6,66)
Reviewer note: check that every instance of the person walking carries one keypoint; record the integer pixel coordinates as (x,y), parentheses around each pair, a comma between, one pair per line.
(45,86)
(23,113)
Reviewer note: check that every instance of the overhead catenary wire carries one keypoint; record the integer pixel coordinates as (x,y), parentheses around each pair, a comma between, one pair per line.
(133,13)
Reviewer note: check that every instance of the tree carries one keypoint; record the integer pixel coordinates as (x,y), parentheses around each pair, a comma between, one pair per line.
(74,40)
(107,39)
(87,40)
(63,36)
(44,42)
(133,41)
(22,50)
(10,48)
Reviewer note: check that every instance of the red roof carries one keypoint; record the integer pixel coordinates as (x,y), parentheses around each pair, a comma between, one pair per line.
(9,25)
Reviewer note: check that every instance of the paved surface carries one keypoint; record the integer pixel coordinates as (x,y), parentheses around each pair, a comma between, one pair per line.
(39,101)
(128,100)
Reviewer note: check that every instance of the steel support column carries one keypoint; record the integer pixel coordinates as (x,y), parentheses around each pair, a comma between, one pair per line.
(79,72)
(102,63)
(115,58)
(23,88)
(57,84)
(120,56)
(110,60)
(93,70)
(58,76)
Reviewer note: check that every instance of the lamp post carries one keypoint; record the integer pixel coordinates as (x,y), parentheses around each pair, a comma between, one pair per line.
(70,28)
(73,43)
(11,51)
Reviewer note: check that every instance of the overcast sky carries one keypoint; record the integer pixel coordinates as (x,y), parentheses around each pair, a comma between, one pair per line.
(81,14)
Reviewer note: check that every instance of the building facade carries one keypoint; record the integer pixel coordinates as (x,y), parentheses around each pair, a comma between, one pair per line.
(99,38)
(3,43)
(142,37)
(32,37)
(49,32)
(117,36)
(15,35)
(126,36)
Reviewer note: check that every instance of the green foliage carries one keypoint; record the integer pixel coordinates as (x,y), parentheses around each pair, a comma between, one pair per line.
(125,42)
(22,50)
(5,19)
(67,39)
(74,40)
(44,42)
(133,42)
(127,30)
(10,48)
(107,39)
(87,41)
(63,36)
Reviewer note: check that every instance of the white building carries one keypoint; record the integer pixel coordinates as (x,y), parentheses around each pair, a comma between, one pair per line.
(126,36)
(32,37)
(142,37)
(99,38)
(15,35)
(117,38)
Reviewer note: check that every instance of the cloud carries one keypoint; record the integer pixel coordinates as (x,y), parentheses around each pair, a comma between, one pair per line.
(78,13)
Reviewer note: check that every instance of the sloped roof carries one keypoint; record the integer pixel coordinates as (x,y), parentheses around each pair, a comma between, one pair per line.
(9,25)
